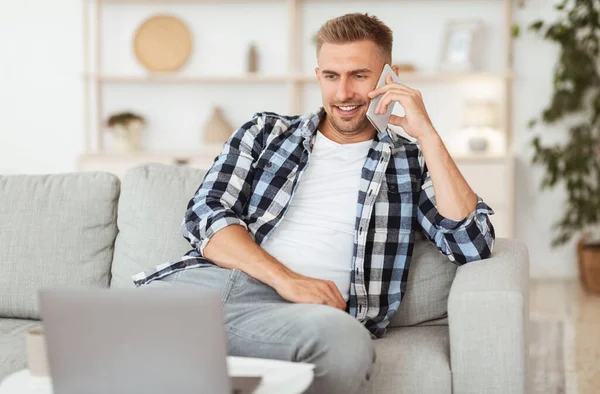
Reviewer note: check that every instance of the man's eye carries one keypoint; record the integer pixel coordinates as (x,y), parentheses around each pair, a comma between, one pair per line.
(359,76)
(329,76)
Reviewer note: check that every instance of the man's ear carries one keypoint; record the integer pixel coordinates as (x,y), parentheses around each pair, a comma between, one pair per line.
(317,74)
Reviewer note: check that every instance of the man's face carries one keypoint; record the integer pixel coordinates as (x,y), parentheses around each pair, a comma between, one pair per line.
(347,73)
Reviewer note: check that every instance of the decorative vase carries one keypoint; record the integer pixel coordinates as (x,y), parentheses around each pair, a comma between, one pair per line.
(252,58)
(217,130)
(589,265)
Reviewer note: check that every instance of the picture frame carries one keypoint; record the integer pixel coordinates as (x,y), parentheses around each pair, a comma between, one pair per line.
(462,46)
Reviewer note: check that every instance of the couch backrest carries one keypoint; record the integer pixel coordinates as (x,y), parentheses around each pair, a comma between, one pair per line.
(429,280)
(151,208)
(55,231)
(153,201)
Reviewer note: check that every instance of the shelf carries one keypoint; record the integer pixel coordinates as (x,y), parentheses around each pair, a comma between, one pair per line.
(184,79)
(478,157)
(170,78)
(431,76)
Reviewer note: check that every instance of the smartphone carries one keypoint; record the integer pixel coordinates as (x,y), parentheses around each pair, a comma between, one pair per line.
(380,121)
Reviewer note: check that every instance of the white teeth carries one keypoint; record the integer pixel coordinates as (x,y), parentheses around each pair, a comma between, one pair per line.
(348,108)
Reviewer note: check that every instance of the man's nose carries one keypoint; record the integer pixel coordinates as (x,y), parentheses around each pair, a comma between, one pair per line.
(343,91)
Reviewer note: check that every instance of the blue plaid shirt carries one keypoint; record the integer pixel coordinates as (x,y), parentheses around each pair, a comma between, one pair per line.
(253,180)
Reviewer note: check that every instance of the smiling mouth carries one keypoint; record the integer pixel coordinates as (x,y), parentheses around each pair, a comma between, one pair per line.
(347,110)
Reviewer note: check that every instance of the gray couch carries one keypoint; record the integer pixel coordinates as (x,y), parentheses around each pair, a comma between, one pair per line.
(460,330)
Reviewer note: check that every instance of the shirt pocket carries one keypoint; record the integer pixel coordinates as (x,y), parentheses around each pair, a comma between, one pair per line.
(395,207)
(275,164)
(273,183)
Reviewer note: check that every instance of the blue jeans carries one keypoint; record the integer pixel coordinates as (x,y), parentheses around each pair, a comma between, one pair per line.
(260,323)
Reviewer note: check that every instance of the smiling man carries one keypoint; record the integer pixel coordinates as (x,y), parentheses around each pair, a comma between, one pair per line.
(306,224)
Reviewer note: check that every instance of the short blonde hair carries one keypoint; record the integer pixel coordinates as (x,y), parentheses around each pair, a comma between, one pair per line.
(357,27)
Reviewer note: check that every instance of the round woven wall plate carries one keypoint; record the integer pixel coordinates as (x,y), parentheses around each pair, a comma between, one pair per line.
(162,43)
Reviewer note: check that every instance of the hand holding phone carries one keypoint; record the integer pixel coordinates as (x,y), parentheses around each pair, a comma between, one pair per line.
(380,121)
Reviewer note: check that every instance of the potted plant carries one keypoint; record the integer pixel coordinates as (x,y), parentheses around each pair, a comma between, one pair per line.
(126,128)
(575,163)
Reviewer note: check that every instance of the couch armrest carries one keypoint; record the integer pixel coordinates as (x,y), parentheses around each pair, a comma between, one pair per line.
(488,312)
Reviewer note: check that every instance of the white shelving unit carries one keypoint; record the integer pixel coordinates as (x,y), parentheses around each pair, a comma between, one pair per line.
(491,175)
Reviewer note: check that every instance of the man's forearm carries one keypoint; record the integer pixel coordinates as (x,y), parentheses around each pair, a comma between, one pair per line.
(454,198)
(233,248)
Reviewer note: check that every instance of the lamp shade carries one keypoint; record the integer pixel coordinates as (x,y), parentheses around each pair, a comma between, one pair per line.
(481,114)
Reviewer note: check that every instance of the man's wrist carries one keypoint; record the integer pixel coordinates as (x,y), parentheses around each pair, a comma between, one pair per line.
(429,138)
(277,274)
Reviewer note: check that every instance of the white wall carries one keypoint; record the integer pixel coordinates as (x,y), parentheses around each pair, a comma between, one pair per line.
(41,90)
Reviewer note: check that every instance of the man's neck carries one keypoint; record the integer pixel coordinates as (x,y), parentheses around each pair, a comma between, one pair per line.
(334,135)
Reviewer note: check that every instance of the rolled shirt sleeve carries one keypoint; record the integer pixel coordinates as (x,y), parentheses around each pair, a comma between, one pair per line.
(226,188)
(463,241)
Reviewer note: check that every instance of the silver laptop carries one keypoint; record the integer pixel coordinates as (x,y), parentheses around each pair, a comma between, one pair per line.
(149,340)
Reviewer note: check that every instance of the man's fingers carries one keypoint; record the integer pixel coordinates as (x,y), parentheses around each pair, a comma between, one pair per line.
(332,295)
(340,298)
(390,85)
(390,97)
(331,301)
(341,303)
(332,292)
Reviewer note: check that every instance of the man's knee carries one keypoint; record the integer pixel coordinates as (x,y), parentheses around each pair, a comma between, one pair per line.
(341,349)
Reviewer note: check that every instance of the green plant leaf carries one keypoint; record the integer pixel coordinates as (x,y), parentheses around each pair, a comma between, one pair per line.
(516,31)
(573,163)
(536,26)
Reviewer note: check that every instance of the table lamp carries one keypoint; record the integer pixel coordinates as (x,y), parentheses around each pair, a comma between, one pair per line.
(481,119)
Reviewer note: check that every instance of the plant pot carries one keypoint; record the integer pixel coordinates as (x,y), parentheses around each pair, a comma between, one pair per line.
(127,138)
(589,265)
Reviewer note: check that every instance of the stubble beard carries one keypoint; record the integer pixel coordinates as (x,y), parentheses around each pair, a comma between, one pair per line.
(356,126)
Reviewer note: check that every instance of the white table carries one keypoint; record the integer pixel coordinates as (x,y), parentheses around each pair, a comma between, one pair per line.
(279,377)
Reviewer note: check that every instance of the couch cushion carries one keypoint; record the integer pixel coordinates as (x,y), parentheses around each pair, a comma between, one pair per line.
(153,201)
(412,360)
(55,231)
(13,356)
(429,280)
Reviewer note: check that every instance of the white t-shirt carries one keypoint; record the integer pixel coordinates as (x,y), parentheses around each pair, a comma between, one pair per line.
(316,236)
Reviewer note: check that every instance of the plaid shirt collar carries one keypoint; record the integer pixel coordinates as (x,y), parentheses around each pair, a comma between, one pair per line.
(310,124)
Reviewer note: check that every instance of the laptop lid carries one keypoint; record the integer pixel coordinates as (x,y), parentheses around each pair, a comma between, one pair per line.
(148,340)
